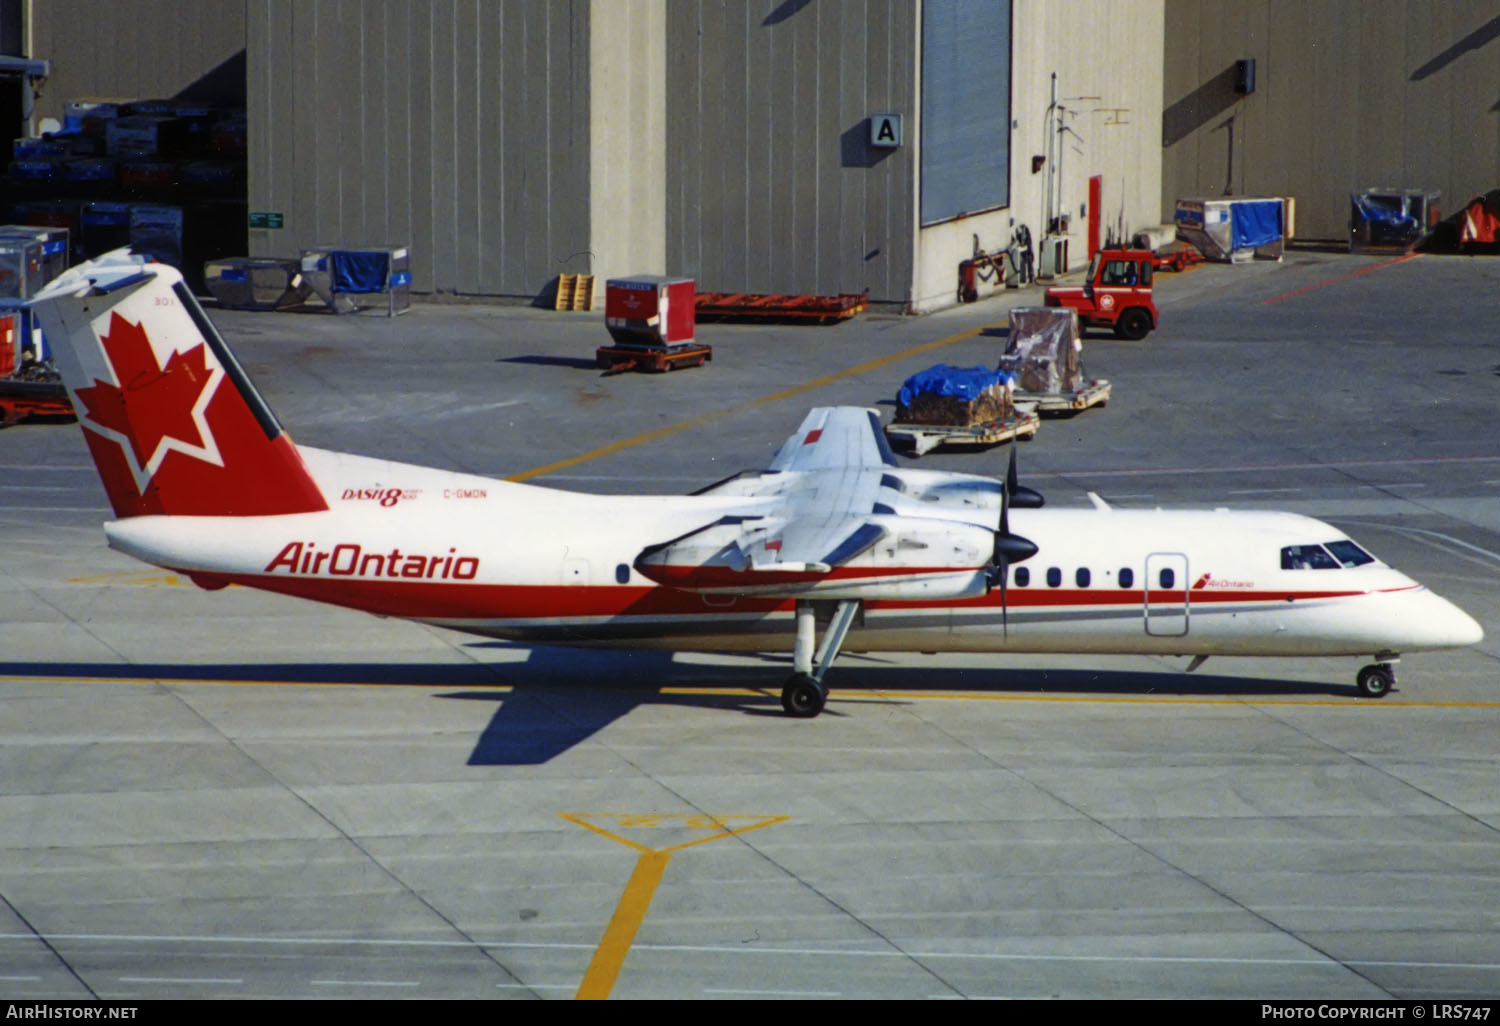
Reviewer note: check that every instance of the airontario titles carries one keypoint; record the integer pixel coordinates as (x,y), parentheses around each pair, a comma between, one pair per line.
(348,559)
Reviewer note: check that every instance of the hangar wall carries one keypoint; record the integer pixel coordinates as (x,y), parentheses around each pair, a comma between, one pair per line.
(628,139)
(1349,94)
(131,48)
(508,141)
(1107,58)
(460,127)
(772,185)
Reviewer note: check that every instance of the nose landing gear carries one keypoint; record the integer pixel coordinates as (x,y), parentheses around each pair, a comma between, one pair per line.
(1377,679)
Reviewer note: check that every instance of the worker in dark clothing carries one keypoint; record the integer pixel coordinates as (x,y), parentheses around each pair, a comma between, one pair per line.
(1020,243)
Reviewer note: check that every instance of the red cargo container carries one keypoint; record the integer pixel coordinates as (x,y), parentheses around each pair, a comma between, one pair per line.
(649,310)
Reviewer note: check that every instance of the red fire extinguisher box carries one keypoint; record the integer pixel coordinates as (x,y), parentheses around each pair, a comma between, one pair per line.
(649,310)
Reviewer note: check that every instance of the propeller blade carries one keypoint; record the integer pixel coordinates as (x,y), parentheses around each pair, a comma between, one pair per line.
(1024,498)
(1009,548)
(1004,598)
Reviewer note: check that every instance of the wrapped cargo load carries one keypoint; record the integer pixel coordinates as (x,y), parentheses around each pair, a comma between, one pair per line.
(956,396)
(1044,352)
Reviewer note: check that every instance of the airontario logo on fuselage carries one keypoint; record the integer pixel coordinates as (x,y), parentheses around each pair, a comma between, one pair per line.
(352,560)
(1209,581)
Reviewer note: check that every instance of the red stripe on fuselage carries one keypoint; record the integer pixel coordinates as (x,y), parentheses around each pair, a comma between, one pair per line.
(450,600)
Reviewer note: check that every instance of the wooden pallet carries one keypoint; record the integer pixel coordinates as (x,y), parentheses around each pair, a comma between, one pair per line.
(575,292)
(919,439)
(1095,393)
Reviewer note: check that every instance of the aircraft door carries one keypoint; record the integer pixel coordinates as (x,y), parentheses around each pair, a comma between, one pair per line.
(1166,594)
(575,570)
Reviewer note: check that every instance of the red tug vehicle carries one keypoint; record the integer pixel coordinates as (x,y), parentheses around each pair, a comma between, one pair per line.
(1115,294)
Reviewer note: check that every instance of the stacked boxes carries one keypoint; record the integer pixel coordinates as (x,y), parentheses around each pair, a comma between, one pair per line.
(950,396)
(163,175)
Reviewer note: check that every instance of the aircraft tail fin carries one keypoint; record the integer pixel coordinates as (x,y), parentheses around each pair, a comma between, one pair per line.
(171,420)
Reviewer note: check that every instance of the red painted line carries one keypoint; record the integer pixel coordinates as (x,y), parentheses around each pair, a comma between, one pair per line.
(1345,277)
(471,601)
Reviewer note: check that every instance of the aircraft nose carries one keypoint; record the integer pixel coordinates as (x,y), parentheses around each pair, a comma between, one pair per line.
(1466,629)
(1434,622)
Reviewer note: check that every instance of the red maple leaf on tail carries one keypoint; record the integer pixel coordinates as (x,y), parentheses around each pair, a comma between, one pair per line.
(152,402)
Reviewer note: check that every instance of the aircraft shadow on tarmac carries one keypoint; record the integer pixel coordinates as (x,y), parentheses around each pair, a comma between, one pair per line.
(559,697)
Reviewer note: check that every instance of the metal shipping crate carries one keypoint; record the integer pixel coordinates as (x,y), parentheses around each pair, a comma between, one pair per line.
(54,242)
(20,267)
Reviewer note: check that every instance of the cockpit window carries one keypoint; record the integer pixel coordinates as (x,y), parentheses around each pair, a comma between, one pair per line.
(1307,557)
(1349,554)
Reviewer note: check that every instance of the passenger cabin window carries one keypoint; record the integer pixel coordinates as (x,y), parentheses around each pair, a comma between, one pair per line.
(1082,577)
(1166,578)
(1054,577)
(1127,577)
(1023,577)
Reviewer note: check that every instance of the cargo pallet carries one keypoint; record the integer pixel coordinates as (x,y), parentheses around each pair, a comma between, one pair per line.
(1095,393)
(758,306)
(22,399)
(1178,258)
(619,359)
(919,439)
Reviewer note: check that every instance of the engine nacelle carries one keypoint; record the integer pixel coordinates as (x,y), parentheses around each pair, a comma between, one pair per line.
(896,558)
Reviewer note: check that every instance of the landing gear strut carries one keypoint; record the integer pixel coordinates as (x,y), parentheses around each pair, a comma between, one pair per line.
(1375,680)
(804,694)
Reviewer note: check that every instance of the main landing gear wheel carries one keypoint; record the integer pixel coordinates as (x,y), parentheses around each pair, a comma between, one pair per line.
(803,696)
(1375,680)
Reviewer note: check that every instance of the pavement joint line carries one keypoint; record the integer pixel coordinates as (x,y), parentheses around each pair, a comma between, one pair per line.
(798,951)
(786,393)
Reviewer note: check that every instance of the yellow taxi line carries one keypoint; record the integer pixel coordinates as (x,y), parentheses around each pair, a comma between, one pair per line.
(785,393)
(861,695)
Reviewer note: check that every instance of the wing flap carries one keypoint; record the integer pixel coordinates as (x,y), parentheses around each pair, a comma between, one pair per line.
(836,436)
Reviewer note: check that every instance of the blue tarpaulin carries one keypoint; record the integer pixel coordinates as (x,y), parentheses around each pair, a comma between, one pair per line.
(356,270)
(1256,223)
(1380,220)
(1368,208)
(966,383)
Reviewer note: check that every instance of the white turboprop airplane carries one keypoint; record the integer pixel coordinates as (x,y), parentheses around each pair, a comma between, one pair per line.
(204,482)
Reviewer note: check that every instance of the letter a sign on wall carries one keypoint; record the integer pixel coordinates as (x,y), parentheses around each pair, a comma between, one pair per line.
(885,130)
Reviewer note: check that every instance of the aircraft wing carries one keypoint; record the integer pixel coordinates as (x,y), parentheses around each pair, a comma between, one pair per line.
(830,516)
(836,436)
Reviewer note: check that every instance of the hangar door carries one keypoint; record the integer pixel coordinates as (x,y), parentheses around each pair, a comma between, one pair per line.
(965,107)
